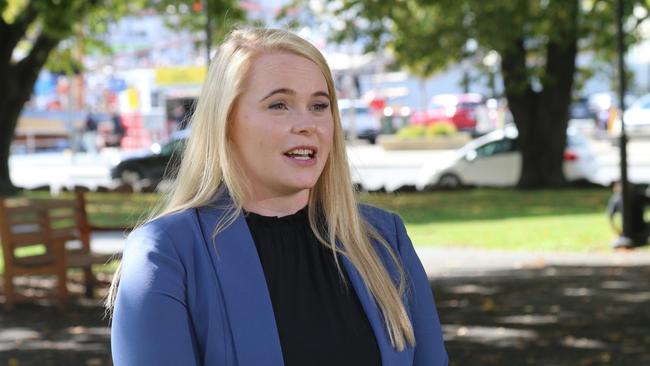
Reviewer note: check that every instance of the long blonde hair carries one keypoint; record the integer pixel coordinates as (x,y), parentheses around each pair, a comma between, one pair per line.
(208,170)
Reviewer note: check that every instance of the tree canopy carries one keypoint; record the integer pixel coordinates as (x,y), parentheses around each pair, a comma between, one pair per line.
(537,41)
(33,32)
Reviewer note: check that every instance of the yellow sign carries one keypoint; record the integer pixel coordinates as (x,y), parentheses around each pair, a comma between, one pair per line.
(166,76)
(133,98)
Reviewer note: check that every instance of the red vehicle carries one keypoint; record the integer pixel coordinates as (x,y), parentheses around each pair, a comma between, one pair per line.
(458,109)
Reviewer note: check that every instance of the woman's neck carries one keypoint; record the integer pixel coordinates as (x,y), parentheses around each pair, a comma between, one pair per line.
(277,205)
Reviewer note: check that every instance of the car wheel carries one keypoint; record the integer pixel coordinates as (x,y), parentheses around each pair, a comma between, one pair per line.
(449,181)
(130,176)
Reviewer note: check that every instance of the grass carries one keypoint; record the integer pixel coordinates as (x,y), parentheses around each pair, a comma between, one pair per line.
(567,220)
(119,210)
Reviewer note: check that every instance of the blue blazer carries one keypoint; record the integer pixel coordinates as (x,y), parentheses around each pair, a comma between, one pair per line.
(186,300)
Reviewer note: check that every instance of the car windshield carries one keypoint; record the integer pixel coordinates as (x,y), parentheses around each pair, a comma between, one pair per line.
(642,103)
(172,147)
(357,110)
(496,147)
(440,106)
(469,105)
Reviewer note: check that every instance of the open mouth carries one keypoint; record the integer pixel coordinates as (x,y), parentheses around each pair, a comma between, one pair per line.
(301,153)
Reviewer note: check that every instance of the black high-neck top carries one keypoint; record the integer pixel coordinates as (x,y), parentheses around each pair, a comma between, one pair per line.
(319,320)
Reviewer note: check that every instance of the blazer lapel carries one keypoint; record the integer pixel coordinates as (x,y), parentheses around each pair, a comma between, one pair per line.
(389,356)
(245,293)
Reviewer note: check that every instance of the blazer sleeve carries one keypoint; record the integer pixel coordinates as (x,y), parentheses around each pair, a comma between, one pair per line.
(429,344)
(151,324)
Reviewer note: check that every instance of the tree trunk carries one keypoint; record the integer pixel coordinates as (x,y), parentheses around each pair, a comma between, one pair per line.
(18,81)
(542,116)
(9,110)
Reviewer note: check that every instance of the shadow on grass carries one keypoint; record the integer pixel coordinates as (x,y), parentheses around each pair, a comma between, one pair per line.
(41,336)
(38,334)
(560,315)
(547,316)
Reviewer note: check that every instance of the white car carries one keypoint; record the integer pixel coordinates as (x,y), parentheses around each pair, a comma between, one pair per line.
(493,160)
(637,117)
(366,123)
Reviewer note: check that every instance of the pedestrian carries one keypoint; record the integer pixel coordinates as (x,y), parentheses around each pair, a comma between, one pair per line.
(90,134)
(261,255)
(118,129)
(180,117)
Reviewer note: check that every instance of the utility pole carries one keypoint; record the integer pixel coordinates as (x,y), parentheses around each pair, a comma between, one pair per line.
(625,240)
(208,32)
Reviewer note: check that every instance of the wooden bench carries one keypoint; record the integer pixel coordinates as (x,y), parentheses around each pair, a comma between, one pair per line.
(112,207)
(46,237)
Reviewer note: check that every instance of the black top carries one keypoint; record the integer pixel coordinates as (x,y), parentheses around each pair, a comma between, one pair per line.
(320,321)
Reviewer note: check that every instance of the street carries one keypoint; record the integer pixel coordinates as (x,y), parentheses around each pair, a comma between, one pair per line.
(375,167)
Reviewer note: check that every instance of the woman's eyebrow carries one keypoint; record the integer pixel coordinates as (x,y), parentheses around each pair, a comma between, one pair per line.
(293,92)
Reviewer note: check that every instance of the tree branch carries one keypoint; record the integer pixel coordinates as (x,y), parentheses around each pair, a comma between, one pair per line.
(595,5)
(642,19)
(11,34)
(26,70)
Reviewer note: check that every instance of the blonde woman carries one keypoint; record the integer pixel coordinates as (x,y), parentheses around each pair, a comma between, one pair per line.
(261,256)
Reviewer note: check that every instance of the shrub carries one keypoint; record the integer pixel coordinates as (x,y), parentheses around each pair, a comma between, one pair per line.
(411,131)
(436,129)
(441,129)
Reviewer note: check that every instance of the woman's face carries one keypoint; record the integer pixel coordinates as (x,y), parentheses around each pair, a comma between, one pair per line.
(282,126)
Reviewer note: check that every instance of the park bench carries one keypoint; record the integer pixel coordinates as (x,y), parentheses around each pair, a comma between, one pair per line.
(46,237)
(115,209)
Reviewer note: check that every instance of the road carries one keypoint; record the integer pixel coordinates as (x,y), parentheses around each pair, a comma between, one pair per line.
(638,152)
(62,169)
(378,168)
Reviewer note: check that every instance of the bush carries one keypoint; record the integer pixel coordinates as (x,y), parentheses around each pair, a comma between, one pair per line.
(436,129)
(411,131)
(441,129)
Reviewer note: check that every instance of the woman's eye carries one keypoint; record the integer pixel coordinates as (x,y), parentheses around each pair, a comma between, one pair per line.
(319,107)
(278,106)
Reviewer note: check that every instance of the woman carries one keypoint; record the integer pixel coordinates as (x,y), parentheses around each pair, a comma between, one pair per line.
(261,255)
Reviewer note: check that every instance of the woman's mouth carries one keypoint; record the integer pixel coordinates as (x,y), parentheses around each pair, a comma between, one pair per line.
(301,153)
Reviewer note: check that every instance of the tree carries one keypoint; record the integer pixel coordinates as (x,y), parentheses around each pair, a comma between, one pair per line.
(191,15)
(44,28)
(537,41)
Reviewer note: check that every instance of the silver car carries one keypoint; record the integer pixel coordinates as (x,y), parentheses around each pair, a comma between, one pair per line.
(494,160)
(637,117)
(357,113)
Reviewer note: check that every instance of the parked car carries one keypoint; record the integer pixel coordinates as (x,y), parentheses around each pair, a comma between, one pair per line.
(580,110)
(494,160)
(366,123)
(457,109)
(637,117)
(152,165)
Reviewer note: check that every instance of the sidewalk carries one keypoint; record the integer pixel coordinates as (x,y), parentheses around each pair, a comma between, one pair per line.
(450,262)
(107,242)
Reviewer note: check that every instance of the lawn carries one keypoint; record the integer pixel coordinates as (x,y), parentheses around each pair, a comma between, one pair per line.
(567,220)
(571,220)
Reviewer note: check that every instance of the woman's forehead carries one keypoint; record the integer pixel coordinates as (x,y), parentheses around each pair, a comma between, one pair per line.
(285,70)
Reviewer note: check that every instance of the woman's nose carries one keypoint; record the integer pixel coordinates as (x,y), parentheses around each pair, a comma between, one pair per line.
(305,125)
